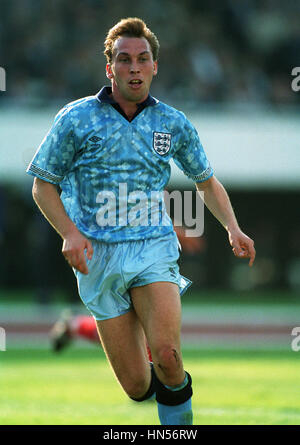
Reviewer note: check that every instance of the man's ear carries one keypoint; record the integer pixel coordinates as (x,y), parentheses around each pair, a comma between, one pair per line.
(155,67)
(109,73)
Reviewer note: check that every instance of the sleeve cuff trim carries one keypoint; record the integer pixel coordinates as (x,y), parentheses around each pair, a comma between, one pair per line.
(44,174)
(206,174)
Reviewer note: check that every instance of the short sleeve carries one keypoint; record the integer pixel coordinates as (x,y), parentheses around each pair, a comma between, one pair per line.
(190,156)
(54,156)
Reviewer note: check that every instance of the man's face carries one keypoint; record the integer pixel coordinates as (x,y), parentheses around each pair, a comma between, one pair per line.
(132,69)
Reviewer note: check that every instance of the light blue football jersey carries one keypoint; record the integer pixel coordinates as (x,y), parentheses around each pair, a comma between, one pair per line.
(113,172)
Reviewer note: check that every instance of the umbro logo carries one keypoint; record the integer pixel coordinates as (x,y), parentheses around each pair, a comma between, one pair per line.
(89,148)
(95,139)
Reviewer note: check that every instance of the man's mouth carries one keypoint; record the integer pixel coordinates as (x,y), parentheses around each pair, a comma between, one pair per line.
(135,83)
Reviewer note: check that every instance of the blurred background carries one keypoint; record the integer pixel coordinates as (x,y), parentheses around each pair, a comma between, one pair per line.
(228,66)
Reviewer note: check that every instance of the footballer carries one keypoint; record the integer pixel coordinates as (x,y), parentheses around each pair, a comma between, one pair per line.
(103,150)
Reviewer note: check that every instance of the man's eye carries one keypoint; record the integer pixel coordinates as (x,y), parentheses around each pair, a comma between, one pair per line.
(124,60)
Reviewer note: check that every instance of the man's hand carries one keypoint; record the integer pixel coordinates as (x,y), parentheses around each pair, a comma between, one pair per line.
(242,245)
(73,249)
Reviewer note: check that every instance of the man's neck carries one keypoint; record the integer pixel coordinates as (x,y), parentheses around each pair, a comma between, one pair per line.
(128,107)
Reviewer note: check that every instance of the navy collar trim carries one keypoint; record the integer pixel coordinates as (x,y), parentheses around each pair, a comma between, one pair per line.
(103,96)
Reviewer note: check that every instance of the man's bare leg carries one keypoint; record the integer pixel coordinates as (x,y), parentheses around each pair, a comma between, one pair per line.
(158,307)
(123,341)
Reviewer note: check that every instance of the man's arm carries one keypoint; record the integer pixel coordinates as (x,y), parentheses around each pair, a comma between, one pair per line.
(217,201)
(74,243)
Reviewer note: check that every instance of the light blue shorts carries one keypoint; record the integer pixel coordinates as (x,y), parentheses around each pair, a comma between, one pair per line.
(117,267)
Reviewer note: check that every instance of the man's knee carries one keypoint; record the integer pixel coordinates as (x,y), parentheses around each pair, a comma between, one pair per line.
(150,390)
(135,382)
(168,359)
(136,388)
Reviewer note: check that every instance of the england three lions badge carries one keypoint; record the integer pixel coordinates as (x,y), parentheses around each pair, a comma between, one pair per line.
(161,142)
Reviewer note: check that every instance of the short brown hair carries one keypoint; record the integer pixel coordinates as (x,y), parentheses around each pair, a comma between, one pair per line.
(130,27)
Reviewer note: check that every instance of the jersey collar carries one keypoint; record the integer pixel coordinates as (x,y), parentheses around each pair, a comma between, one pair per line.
(103,96)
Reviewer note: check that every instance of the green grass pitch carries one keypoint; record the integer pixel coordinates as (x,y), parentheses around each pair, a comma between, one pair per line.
(77,387)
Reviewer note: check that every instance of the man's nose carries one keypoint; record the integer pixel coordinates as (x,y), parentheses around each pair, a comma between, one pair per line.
(134,68)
